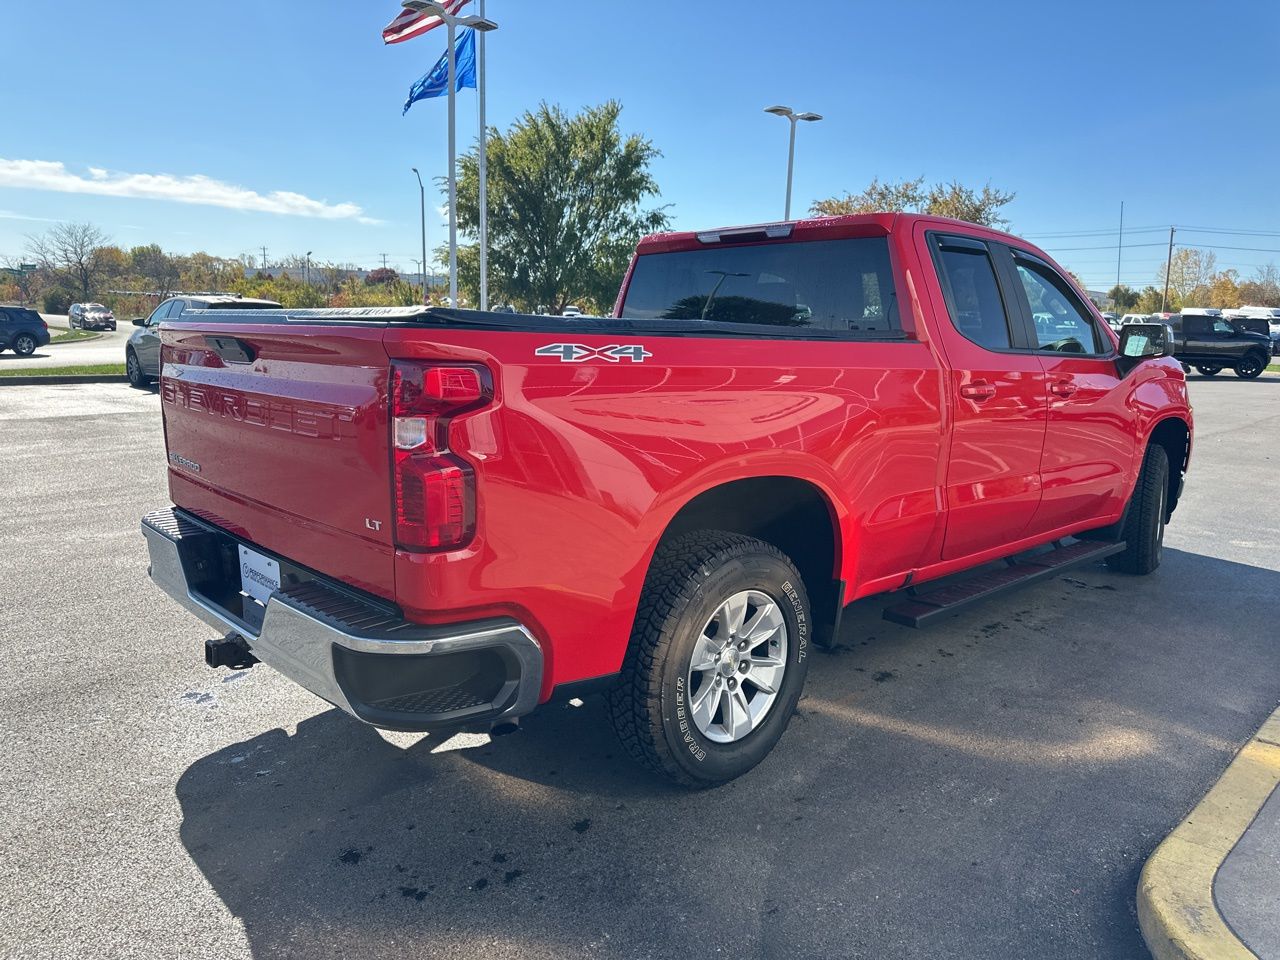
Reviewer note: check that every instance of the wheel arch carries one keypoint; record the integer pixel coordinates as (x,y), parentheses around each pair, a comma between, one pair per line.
(793,514)
(1173,433)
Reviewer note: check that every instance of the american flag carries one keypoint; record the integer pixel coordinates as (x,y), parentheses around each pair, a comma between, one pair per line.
(414,23)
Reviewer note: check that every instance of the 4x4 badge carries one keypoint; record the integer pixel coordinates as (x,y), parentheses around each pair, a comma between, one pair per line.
(579,352)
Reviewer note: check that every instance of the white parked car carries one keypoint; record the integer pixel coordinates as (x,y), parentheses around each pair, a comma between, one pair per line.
(1134,318)
(572,311)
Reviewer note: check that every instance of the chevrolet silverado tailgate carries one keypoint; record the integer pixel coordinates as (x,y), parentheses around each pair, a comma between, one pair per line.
(277,431)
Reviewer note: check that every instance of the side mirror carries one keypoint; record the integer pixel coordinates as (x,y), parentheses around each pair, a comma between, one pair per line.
(139,322)
(1144,341)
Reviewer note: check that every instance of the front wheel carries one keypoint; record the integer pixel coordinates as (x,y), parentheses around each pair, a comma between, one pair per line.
(1144,523)
(717,659)
(1209,369)
(1250,366)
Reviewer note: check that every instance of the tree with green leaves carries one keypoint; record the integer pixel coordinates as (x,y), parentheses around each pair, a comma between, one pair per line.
(1122,297)
(568,201)
(952,199)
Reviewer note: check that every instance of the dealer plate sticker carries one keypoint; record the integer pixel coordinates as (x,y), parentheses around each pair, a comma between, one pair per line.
(259,575)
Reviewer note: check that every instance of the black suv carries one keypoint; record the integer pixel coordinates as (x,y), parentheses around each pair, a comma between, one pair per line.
(142,352)
(1210,343)
(22,330)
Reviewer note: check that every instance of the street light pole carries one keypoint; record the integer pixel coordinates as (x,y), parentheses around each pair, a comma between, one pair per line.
(1120,246)
(306,273)
(791,115)
(481,25)
(422,208)
(452,24)
(484,167)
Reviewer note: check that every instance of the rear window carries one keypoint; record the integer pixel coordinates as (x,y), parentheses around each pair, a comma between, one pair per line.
(823,284)
(241,305)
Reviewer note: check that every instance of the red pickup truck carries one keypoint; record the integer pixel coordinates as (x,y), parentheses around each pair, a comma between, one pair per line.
(438,518)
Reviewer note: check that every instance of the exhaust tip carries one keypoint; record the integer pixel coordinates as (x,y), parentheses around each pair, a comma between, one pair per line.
(503,728)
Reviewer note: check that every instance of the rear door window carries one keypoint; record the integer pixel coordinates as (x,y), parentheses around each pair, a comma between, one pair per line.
(840,285)
(973,294)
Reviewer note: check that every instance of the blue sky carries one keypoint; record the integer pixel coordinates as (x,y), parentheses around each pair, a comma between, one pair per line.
(1170,107)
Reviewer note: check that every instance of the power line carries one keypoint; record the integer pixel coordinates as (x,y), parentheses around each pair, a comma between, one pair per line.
(1109,246)
(1096,233)
(1211,246)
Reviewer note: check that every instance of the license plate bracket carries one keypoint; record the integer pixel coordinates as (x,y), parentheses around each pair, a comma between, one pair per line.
(259,575)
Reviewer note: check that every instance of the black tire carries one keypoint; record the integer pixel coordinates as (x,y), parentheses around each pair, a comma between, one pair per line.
(1251,366)
(690,577)
(1209,369)
(1144,523)
(133,370)
(24,344)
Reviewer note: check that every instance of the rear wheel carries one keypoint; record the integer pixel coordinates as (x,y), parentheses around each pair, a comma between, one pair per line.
(24,344)
(133,370)
(1143,531)
(717,659)
(1209,369)
(1250,366)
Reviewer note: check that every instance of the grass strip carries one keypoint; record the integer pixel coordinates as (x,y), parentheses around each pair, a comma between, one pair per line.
(83,369)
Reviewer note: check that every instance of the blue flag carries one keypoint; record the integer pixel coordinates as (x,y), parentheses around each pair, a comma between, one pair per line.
(435,82)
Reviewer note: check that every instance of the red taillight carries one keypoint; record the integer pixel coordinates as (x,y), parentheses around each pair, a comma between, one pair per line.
(433,489)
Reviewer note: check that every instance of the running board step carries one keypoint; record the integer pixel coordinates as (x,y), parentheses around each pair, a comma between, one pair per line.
(921,610)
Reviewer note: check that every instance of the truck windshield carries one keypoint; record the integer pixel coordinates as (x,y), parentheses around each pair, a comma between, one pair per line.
(826,284)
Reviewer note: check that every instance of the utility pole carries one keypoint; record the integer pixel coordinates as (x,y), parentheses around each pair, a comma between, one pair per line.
(264,258)
(384,260)
(1120,246)
(1168,266)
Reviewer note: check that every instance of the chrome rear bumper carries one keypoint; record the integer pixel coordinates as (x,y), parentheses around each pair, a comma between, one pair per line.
(355,652)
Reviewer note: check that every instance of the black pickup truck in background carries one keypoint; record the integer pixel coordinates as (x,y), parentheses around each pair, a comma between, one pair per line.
(1211,344)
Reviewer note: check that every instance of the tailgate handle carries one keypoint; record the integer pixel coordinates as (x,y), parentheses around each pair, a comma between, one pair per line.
(232,349)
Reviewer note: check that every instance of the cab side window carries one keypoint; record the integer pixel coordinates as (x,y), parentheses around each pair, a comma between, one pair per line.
(1062,322)
(973,294)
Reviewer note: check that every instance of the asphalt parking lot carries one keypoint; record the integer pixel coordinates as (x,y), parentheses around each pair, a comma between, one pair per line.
(986,788)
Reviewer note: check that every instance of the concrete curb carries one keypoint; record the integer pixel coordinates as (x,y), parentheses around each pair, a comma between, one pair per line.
(35,380)
(1177,910)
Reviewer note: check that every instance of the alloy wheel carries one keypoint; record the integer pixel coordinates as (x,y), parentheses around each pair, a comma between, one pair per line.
(737,666)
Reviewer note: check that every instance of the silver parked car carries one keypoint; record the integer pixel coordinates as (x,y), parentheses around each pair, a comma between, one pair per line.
(142,352)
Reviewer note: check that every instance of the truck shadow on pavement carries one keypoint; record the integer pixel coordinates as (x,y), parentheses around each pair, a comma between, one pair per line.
(987,787)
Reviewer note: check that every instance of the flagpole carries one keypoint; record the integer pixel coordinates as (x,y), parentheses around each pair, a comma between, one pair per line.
(483,171)
(453,164)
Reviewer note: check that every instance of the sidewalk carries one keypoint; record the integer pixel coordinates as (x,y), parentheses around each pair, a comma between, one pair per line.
(1212,888)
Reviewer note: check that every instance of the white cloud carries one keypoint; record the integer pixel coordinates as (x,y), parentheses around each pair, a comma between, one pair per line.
(10,215)
(197,188)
